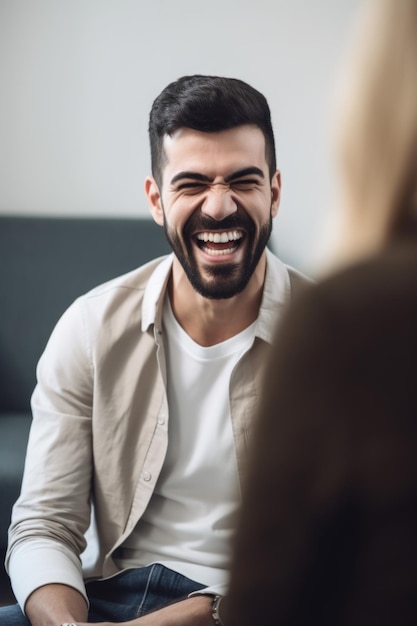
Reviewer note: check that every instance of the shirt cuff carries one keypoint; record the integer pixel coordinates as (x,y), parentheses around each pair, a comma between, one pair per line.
(42,562)
(213,590)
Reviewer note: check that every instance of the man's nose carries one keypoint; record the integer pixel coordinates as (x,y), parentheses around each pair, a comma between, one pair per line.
(219,202)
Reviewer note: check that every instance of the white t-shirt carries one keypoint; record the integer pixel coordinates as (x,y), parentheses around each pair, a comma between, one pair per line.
(191,516)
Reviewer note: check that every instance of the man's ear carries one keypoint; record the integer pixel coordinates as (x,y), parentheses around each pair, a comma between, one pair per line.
(275,192)
(154,200)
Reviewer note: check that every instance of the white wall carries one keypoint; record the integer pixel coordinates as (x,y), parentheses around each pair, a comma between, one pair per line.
(78,77)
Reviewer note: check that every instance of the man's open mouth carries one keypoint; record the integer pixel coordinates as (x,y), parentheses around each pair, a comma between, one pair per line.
(219,243)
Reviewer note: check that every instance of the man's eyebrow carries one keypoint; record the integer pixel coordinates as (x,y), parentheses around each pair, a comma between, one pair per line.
(192,176)
(245,172)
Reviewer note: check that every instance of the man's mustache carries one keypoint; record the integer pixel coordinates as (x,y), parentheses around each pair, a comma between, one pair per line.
(198,221)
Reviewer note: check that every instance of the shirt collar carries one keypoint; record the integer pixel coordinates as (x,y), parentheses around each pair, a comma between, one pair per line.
(275,296)
(154,293)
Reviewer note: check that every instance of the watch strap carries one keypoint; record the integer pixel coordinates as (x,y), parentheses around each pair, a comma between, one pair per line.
(215,610)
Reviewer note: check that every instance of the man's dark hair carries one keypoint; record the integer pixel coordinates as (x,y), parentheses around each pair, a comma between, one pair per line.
(208,104)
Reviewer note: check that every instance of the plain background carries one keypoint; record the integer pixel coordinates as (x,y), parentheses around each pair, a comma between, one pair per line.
(78,78)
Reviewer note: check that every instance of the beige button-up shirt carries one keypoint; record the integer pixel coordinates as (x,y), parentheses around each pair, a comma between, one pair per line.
(99,434)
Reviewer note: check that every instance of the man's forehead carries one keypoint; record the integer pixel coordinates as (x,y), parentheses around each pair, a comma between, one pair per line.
(189,148)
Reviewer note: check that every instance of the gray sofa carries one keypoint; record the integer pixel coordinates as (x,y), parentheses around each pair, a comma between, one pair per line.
(45,263)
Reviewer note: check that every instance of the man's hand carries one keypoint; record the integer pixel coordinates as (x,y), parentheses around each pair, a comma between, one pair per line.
(195,611)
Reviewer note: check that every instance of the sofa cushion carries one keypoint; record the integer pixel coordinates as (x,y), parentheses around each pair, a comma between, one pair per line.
(45,263)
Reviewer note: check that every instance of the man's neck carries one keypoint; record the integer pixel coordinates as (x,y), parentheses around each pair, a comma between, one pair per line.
(209,321)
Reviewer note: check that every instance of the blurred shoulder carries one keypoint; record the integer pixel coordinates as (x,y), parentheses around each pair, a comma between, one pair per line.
(381,281)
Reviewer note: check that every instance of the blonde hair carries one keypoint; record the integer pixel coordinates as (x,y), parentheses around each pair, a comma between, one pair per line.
(376,132)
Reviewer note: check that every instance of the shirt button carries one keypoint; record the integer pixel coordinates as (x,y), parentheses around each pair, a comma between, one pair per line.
(147,476)
(161,421)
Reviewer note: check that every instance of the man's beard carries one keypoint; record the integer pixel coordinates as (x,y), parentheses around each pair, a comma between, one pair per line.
(227,279)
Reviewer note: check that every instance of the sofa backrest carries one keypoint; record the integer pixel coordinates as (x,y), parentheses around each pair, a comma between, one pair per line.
(45,263)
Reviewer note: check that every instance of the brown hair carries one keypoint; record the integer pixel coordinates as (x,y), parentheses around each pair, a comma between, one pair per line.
(376,131)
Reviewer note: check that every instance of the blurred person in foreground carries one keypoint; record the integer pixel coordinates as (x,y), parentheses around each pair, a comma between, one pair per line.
(328,526)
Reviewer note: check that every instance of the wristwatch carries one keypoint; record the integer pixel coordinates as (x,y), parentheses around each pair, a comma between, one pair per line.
(215,610)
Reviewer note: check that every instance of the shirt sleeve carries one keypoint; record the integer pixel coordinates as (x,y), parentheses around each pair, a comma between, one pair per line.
(213,590)
(42,562)
(52,514)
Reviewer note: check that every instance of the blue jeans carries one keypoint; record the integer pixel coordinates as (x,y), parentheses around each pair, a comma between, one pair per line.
(128,595)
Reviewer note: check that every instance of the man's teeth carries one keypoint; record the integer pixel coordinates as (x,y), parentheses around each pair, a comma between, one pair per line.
(232,235)
(214,252)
